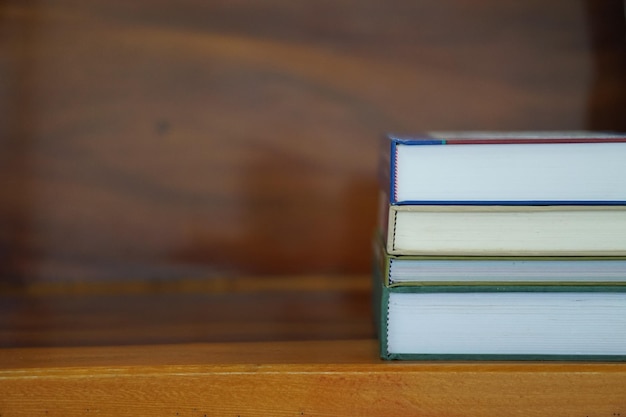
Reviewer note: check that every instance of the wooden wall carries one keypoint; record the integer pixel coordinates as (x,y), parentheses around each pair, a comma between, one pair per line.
(194,138)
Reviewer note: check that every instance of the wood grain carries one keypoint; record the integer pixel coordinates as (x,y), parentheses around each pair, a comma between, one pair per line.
(231,309)
(332,378)
(162,139)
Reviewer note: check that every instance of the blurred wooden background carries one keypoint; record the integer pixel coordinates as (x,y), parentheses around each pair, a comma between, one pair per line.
(165,139)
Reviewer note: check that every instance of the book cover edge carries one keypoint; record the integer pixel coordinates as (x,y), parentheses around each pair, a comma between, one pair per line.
(430,138)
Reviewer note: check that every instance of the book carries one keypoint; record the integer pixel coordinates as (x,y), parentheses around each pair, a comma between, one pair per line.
(503,270)
(502,246)
(497,168)
(501,322)
(506,230)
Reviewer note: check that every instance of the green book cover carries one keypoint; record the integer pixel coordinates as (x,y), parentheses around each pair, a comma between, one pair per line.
(500,322)
(414,270)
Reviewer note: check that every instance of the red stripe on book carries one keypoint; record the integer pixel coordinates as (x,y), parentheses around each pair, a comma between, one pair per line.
(514,141)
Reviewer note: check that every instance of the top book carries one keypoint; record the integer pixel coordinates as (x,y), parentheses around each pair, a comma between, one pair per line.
(508,168)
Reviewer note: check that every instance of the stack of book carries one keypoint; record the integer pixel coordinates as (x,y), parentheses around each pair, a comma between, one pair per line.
(504,246)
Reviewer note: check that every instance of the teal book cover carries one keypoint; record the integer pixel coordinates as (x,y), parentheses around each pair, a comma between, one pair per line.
(500,322)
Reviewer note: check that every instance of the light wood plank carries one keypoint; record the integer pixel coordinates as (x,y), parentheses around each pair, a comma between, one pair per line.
(332,378)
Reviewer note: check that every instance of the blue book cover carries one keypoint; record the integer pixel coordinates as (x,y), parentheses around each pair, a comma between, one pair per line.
(504,168)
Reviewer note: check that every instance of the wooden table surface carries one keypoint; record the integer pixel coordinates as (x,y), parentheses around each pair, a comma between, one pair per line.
(285,346)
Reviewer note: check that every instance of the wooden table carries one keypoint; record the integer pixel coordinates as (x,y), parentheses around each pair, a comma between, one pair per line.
(291,346)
